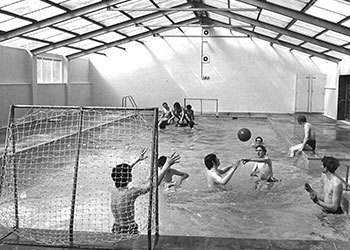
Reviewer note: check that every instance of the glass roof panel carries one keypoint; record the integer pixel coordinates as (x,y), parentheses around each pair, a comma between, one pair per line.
(314,47)
(337,6)
(265,32)
(7,2)
(50,34)
(346,23)
(181,15)
(13,24)
(64,51)
(334,37)
(220,18)
(45,13)
(274,18)
(27,6)
(22,43)
(86,44)
(291,40)
(108,18)
(157,22)
(225,4)
(4,17)
(324,14)
(109,37)
(306,28)
(169,4)
(133,30)
(78,25)
(336,54)
(76,4)
(294,4)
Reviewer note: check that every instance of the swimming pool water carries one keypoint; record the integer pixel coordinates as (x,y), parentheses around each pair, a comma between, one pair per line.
(283,212)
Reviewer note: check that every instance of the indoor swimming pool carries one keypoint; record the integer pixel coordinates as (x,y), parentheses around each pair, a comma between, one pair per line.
(283,212)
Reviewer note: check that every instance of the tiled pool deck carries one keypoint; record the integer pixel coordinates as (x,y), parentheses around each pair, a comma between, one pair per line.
(333,138)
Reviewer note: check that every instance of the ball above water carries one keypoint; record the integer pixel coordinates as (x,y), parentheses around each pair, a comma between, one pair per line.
(244,134)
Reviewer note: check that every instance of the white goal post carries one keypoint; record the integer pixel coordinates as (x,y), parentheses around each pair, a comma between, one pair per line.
(56,174)
(203,105)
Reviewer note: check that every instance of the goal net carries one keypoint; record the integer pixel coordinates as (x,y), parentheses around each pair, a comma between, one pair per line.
(55,180)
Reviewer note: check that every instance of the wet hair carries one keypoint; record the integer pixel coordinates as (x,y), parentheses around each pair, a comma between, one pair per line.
(301,119)
(259,137)
(262,148)
(164,103)
(330,163)
(189,106)
(177,105)
(121,175)
(208,160)
(161,161)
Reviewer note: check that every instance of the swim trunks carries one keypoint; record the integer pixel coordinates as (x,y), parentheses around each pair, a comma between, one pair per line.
(311,143)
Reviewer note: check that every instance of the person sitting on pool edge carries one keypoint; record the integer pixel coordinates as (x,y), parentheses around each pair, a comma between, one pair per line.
(124,196)
(170,173)
(216,177)
(189,116)
(166,117)
(309,141)
(331,199)
(262,166)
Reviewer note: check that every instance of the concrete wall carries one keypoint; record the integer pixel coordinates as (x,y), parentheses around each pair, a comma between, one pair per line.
(18,83)
(246,75)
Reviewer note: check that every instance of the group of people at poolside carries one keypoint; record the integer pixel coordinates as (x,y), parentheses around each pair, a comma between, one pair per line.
(179,116)
(125,194)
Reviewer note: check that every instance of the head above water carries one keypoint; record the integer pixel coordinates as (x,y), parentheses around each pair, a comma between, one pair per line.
(261,148)
(121,175)
(259,139)
(165,105)
(301,119)
(189,107)
(210,160)
(177,105)
(161,161)
(330,163)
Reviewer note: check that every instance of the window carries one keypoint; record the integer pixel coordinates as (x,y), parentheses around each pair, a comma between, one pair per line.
(49,70)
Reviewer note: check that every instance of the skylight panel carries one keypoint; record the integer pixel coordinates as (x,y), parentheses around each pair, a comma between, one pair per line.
(291,40)
(45,13)
(64,51)
(306,28)
(13,24)
(338,6)
(23,43)
(86,44)
(4,17)
(314,47)
(7,2)
(77,4)
(291,4)
(169,4)
(27,6)
(220,18)
(181,15)
(108,18)
(346,23)
(265,32)
(274,18)
(44,33)
(326,14)
(334,37)
(77,25)
(156,23)
(131,31)
(336,54)
(109,37)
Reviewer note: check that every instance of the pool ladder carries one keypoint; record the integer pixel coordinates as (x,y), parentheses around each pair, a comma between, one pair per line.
(131,100)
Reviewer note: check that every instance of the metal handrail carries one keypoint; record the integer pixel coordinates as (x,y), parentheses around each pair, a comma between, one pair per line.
(131,100)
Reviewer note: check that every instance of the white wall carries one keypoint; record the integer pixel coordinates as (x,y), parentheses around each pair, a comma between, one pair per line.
(246,75)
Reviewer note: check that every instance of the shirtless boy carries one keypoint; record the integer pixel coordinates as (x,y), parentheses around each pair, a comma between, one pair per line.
(170,173)
(330,200)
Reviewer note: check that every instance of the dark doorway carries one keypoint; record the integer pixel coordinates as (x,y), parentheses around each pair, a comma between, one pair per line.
(344,98)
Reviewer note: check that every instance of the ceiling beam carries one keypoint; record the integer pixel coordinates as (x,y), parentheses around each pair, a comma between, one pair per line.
(284,31)
(57,19)
(298,15)
(129,39)
(102,31)
(282,43)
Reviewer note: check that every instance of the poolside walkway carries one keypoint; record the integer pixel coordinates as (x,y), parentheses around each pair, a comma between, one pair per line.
(333,138)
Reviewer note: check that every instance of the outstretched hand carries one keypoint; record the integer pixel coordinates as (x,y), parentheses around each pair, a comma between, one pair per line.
(308,187)
(314,197)
(244,161)
(142,155)
(174,158)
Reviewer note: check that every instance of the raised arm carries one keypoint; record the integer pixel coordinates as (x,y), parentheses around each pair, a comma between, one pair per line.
(230,172)
(141,157)
(183,175)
